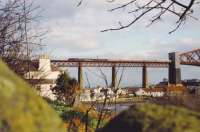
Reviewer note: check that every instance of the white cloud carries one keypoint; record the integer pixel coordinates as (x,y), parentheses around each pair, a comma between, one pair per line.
(78,30)
(75,32)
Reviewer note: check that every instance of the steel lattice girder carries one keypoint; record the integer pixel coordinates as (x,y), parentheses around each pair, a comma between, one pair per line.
(111,63)
(191,58)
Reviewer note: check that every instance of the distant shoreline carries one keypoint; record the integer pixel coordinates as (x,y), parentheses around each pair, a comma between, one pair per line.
(118,101)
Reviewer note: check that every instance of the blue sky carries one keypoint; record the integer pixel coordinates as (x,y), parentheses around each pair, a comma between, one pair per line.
(75,32)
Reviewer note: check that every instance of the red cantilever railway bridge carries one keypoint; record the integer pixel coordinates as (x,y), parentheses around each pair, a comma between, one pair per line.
(175,59)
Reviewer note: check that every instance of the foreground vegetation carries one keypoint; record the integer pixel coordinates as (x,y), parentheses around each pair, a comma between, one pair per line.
(78,118)
(158,118)
(21,109)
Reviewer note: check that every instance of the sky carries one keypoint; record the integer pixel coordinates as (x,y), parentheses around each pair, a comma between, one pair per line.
(75,32)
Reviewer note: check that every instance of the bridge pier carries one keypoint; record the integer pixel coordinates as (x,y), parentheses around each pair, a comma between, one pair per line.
(174,69)
(113,85)
(144,77)
(80,75)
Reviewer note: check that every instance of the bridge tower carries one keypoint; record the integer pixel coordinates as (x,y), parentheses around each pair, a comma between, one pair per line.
(174,69)
(80,75)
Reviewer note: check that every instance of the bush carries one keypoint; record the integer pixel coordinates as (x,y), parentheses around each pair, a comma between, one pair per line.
(74,117)
(152,117)
(21,109)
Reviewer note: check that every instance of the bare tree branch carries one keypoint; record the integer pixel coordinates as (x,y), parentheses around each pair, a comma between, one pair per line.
(17,39)
(131,23)
(162,7)
(80,2)
(123,6)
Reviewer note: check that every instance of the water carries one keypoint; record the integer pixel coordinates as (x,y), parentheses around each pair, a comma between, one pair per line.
(112,107)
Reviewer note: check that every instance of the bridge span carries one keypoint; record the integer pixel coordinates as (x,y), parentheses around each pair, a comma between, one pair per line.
(77,62)
(173,64)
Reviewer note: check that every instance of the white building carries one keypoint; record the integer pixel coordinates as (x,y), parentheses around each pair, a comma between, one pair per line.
(86,95)
(44,76)
(98,94)
(121,92)
(140,92)
(152,92)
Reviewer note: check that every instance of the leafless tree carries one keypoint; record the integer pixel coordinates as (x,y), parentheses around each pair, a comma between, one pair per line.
(106,101)
(86,75)
(17,37)
(156,10)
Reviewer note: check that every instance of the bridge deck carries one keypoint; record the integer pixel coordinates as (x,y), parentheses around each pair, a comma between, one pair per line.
(110,63)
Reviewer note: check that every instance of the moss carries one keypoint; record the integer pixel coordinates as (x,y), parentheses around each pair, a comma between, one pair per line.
(152,117)
(21,110)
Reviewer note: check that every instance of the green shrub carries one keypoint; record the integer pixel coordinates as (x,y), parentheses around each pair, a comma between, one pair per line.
(155,118)
(21,110)
(58,106)
(68,113)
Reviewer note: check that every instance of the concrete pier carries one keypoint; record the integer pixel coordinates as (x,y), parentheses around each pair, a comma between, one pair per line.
(113,76)
(80,75)
(144,77)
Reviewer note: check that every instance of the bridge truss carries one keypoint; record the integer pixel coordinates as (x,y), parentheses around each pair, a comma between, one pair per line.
(190,58)
(187,58)
(110,63)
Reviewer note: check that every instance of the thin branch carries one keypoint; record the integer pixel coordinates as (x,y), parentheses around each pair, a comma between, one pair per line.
(80,2)
(179,24)
(180,4)
(135,20)
(187,9)
(151,5)
(122,6)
